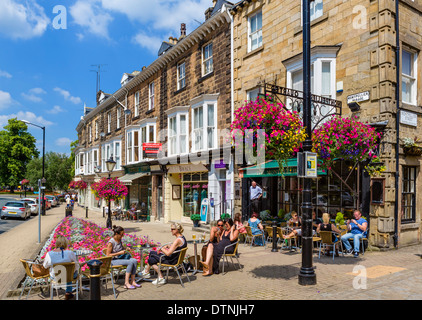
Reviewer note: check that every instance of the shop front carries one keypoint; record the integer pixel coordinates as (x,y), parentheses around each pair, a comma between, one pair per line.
(339,190)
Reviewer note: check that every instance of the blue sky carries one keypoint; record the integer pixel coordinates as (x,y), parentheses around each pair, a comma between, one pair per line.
(45,71)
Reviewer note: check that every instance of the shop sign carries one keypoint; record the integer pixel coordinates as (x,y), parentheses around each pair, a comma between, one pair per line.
(187,168)
(151,150)
(220,165)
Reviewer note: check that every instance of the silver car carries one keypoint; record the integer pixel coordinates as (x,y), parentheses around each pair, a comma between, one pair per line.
(19,209)
(33,203)
(52,200)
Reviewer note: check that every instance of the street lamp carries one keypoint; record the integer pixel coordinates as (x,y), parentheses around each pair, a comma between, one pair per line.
(307,274)
(41,206)
(110,163)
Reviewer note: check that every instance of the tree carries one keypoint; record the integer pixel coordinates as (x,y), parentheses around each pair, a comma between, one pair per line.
(73,146)
(58,171)
(17,148)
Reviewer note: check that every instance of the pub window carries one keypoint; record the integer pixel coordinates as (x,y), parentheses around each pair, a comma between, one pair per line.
(409,194)
(377,191)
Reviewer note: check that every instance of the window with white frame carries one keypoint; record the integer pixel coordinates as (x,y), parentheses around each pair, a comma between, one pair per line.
(94,159)
(323,78)
(90,133)
(255,31)
(181,76)
(316,10)
(204,126)
(178,133)
(252,95)
(151,94)
(111,149)
(117,156)
(147,135)
(137,95)
(207,59)
(130,146)
(108,122)
(96,129)
(409,80)
(118,115)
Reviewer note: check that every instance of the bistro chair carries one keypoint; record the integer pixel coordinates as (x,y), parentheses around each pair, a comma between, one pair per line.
(327,242)
(65,270)
(179,264)
(27,264)
(250,236)
(364,238)
(285,231)
(105,272)
(231,255)
(116,269)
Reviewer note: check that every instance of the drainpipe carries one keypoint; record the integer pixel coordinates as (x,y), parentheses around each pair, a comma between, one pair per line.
(396,207)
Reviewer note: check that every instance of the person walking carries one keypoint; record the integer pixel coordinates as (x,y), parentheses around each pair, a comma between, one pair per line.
(255,194)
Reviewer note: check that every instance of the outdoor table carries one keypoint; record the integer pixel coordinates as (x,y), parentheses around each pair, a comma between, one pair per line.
(82,253)
(143,249)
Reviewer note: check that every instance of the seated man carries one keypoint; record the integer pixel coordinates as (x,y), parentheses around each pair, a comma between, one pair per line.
(357,229)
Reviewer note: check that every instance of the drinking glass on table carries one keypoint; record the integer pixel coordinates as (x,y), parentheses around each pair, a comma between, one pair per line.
(194,236)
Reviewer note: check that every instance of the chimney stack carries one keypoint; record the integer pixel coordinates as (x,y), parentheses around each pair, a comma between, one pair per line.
(182,30)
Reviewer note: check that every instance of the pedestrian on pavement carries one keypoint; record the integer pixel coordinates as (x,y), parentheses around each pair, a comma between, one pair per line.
(68,201)
(357,228)
(166,254)
(216,251)
(60,254)
(255,194)
(215,233)
(120,256)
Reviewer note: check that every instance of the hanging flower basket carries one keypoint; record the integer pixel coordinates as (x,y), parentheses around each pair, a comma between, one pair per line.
(275,132)
(412,150)
(80,184)
(346,139)
(109,189)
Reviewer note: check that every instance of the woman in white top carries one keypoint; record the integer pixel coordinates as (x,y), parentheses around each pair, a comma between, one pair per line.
(60,254)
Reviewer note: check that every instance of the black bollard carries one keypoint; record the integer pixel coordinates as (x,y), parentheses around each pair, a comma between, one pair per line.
(274,237)
(86,212)
(94,278)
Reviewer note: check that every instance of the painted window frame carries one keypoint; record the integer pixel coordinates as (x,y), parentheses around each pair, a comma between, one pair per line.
(257,32)
(208,59)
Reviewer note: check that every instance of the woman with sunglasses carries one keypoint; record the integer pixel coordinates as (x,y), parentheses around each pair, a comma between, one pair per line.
(167,253)
(216,251)
(215,233)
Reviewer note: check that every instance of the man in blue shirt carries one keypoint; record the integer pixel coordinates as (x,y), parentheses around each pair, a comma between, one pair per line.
(357,229)
(255,193)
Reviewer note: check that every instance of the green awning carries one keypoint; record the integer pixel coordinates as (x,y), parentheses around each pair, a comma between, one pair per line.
(271,169)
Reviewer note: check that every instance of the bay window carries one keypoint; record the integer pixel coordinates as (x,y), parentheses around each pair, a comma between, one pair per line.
(204,125)
(178,133)
(111,149)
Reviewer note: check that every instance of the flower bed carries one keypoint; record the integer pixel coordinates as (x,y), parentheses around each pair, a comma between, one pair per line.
(86,235)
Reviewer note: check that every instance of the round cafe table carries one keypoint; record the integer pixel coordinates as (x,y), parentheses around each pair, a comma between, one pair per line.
(82,253)
(142,250)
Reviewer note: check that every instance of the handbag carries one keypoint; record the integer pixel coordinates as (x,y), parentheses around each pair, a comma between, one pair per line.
(123,256)
(38,270)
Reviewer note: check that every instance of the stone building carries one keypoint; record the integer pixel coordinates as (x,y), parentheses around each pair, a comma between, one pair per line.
(353,50)
(162,127)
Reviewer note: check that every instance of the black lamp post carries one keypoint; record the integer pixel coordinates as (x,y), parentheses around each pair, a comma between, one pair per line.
(307,274)
(110,163)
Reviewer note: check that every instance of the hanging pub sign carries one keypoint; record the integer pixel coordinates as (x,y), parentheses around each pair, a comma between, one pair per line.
(150,150)
(307,164)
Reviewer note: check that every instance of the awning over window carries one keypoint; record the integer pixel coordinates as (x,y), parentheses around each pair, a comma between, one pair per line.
(128,178)
(271,169)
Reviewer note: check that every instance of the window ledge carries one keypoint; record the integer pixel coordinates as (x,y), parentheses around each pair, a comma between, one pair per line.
(180,90)
(253,52)
(208,75)
(298,30)
(150,111)
(409,226)
(136,118)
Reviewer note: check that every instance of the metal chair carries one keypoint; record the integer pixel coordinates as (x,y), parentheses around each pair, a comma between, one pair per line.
(364,238)
(231,255)
(179,264)
(64,277)
(269,231)
(27,264)
(105,272)
(117,268)
(327,241)
(285,231)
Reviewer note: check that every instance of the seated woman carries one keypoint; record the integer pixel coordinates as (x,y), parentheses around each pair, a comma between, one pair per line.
(60,254)
(215,233)
(167,253)
(121,257)
(256,228)
(239,225)
(132,212)
(295,223)
(327,226)
(216,251)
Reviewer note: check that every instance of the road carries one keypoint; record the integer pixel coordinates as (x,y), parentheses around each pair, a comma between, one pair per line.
(6,225)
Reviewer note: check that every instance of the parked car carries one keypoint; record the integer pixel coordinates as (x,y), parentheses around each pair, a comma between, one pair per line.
(16,209)
(52,200)
(33,203)
(47,204)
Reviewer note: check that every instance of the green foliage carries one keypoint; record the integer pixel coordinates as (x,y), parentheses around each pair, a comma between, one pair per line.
(265,215)
(281,213)
(195,217)
(339,218)
(17,148)
(225,216)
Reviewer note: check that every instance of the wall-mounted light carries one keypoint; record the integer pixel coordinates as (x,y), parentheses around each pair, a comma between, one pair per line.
(353,106)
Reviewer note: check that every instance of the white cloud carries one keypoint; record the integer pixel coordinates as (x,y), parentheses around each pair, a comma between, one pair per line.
(149,42)
(25,115)
(22,19)
(5,74)
(63,142)
(66,94)
(37,91)
(5,100)
(91,17)
(56,110)
(33,94)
